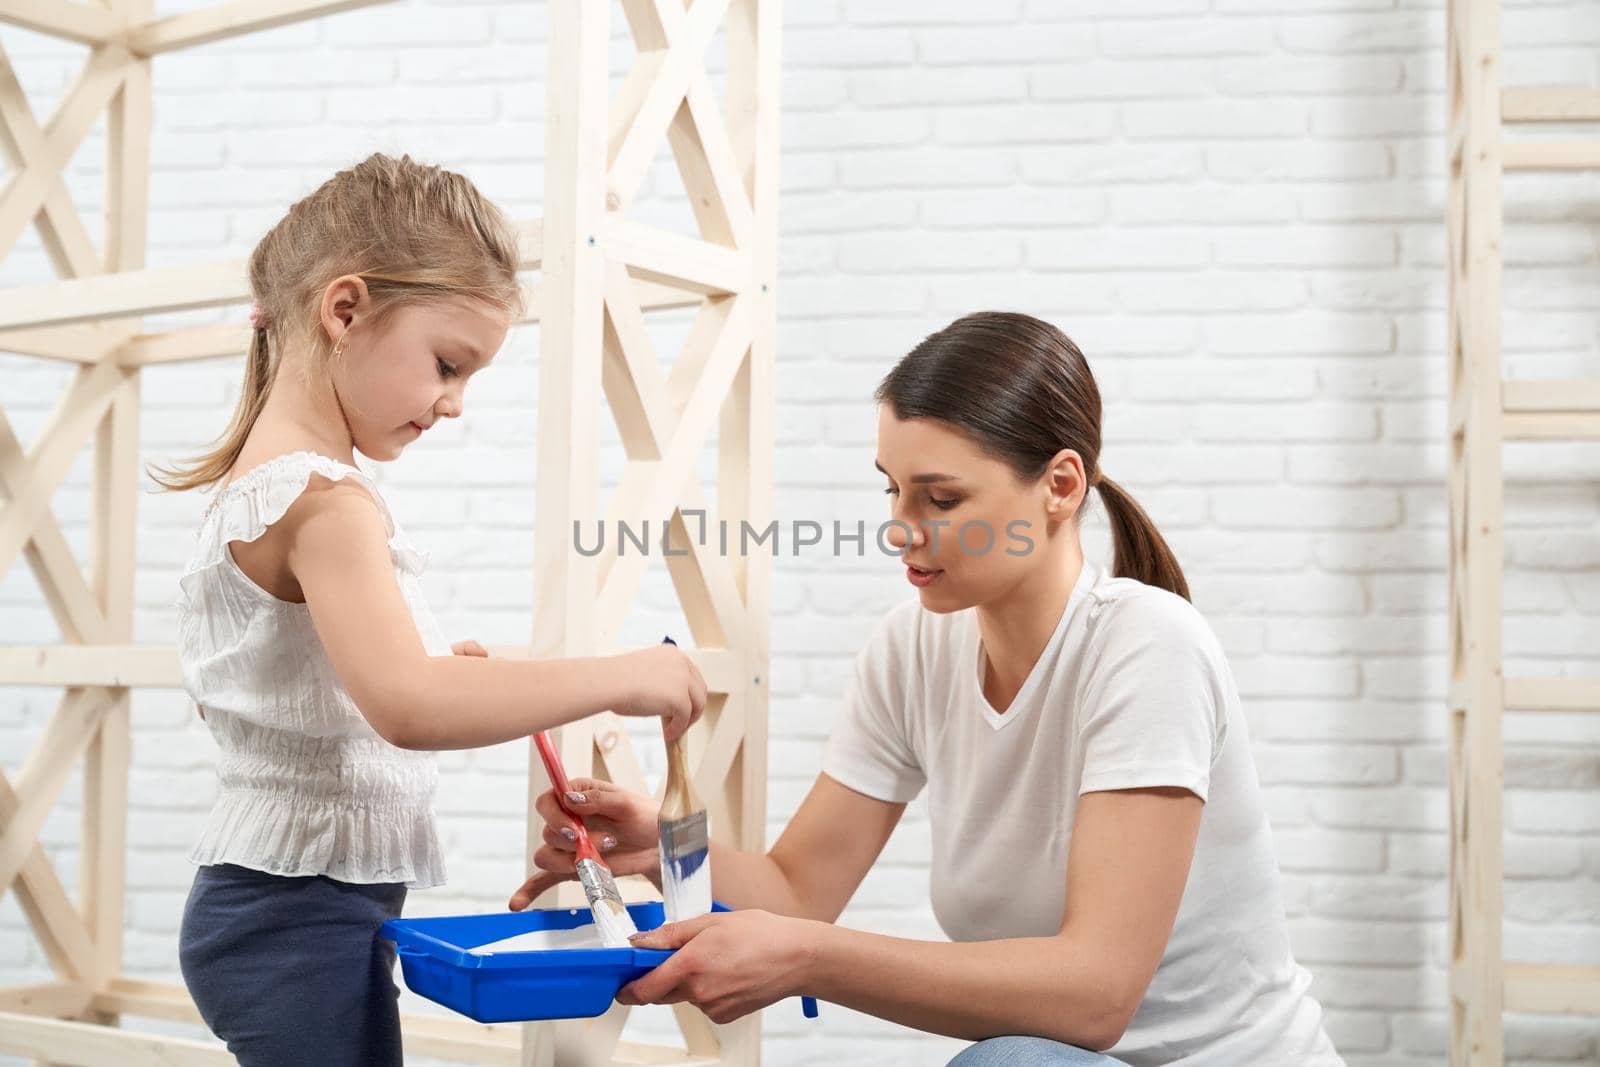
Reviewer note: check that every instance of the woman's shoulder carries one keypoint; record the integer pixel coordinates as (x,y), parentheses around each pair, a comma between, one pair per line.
(1127,610)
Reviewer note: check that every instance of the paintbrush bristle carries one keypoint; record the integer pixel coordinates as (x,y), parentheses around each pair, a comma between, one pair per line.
(685,872)
(611,916)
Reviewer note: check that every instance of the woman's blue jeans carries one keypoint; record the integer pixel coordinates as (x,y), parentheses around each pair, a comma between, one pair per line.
(1030,1052)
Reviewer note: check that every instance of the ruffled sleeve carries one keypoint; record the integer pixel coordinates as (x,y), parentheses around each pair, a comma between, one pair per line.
(245,509)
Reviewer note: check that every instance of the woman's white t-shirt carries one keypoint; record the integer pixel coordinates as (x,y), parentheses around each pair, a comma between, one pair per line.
(1132,691)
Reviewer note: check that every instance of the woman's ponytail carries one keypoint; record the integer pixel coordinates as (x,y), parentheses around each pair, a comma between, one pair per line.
(1141,552)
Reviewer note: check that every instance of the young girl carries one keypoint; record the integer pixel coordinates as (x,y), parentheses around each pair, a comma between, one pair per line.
(303,633)
(1101,856)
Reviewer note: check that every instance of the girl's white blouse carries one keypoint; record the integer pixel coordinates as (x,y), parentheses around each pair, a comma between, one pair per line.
(307,786)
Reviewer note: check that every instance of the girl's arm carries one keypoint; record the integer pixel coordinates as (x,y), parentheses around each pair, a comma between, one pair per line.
(1129,861)
(337,550)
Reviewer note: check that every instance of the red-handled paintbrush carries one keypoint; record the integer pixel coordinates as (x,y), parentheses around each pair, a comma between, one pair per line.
(611,917)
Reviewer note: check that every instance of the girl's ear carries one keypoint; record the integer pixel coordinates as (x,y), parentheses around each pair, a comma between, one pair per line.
(345,301)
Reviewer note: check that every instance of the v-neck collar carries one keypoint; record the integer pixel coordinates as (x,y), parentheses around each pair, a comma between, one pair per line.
(1022,703)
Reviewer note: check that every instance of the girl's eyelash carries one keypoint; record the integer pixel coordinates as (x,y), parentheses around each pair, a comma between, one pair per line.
(445,369)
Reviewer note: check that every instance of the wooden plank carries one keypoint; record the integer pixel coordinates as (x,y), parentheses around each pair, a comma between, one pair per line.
(92,391)
(60,226)
(73,20)
(687,35)
(44,774)
(234,18)
(1549,988)
(76,1044)
(1552,409)
(746,439)
(51,559)
(147,999)
(54,999)
(1550,104)
(60,929)
(131,666)
(83,343)
(114,530)
(28,188)
(125,295)
(1478,902)
(671,259)
(1552,694)
(1552,394)
(570,328)
(1550,155)
(1553,426)
(461,1040)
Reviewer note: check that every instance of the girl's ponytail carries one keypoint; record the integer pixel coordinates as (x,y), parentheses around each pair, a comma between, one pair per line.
(1141,552)
(213,466)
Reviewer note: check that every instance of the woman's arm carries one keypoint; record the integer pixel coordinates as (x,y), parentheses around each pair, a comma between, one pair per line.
(811,873)
(337,549)
(1129,861)
(819,860)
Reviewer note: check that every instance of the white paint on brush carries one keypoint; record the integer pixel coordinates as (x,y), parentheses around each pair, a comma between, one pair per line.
(686,898)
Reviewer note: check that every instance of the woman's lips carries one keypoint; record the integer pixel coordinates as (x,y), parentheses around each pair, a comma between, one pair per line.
(921,578)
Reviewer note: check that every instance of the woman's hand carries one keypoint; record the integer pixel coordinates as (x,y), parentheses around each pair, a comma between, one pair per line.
(728,964)
(661,680)
(622,825)
(469,648)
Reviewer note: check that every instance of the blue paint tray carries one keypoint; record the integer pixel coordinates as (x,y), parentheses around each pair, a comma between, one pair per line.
(437,961)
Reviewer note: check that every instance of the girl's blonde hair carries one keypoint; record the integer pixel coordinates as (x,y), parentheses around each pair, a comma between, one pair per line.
(414,233)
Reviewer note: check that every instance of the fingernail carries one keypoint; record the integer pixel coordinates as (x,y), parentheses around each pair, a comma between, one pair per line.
(577,798)
(608,842)
(566,832)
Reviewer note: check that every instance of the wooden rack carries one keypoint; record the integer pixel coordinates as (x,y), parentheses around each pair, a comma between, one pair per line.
(600,274)
(1485,411)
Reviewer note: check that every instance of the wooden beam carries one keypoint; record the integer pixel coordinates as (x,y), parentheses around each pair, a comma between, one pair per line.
(72,19)
(1554,989)
(60,226)
(127,294)
(54,999)
(234,18)
(1552,694)
(30,187)
(130,666)
(75,418)
(44,774)
(1550,155)
(51,559)
(670,259)
(1550,104)
(75,1044)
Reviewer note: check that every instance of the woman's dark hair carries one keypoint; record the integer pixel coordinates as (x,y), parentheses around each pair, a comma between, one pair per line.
(1021,391)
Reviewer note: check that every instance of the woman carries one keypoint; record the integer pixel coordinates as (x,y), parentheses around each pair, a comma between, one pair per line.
(1101,859)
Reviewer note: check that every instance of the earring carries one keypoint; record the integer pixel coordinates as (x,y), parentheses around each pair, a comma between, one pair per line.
(338,347)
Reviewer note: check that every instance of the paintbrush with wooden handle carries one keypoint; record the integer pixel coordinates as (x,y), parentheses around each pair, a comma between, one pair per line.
(685,842)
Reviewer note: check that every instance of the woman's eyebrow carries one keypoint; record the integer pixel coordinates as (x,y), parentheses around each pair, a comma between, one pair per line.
(920,479)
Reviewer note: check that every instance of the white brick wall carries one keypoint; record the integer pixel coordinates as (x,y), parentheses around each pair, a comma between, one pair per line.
(1234,206)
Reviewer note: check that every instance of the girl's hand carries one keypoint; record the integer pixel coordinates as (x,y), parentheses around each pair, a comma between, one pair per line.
(662,680)
(469,648)
(728,964)
(622,825)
